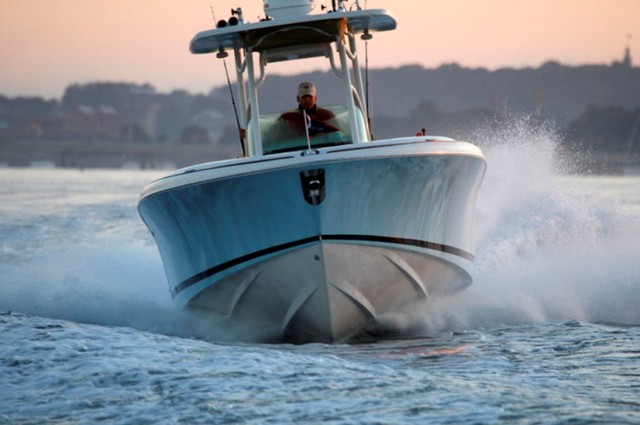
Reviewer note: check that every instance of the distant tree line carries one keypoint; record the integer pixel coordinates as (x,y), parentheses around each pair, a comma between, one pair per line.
(114,112)
(602,129)
(595,108)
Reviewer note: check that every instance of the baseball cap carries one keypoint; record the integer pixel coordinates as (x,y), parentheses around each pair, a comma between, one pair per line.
(306,88)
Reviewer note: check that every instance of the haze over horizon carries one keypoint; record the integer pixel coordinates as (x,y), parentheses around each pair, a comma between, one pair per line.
(47,46)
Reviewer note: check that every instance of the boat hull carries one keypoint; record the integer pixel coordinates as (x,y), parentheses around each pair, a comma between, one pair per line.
(329,292)
(318,247)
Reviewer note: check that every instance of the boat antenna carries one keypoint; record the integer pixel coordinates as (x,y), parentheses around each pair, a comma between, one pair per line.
(235,109)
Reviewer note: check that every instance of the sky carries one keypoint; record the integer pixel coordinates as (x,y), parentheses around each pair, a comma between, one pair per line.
(46,45)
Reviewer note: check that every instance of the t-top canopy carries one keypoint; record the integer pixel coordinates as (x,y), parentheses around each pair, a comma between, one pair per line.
(308,29)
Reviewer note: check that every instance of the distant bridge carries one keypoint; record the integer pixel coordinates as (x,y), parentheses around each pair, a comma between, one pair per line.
(101,154)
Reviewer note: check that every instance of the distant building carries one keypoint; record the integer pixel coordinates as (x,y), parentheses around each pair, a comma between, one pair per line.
(87,123)
(626,61)
(627,58)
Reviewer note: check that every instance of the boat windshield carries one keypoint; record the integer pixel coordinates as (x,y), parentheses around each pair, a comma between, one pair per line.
(279,136)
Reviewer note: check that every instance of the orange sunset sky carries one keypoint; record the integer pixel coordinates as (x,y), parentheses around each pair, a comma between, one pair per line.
(46,45)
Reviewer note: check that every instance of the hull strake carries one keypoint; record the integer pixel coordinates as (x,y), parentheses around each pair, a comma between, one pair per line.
(328,292)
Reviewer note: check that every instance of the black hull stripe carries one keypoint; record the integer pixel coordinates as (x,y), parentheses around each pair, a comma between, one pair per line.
(239,260)
(361,238)
(402,241)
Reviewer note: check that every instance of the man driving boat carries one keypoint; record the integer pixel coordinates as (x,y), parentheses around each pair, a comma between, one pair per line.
(317,118)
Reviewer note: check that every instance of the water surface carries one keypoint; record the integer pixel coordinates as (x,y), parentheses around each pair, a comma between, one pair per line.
(548,333)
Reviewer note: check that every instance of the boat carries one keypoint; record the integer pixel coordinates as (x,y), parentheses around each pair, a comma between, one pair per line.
(316,238)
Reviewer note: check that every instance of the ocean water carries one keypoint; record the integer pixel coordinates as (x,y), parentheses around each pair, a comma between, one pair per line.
(549,333)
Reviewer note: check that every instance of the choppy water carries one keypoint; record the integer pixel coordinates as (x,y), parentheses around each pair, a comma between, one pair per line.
(548,333)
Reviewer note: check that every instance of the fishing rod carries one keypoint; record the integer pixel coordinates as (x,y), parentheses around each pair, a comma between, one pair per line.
(367,95)
(367,83)
(235,109)
(222,55)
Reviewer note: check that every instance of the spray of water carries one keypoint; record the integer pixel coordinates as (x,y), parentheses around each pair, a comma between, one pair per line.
(107,279)
(544,250)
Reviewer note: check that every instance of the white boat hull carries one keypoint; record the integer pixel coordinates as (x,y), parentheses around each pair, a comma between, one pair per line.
(385,225)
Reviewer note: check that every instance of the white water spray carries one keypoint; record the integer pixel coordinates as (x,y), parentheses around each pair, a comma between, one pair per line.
(545,251)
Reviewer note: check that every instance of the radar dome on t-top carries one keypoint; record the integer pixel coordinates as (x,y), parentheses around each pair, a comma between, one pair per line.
(288,8)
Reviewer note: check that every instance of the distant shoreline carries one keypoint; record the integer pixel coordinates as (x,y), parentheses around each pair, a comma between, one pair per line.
(74,154)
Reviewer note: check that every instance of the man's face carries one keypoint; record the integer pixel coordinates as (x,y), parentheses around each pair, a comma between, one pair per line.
(307,101)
